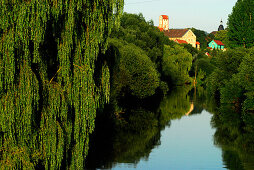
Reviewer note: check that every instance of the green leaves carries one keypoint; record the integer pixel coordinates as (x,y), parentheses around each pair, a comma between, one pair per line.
(222,36)
(176,64)
(136,71)
(48,93)
(241,24)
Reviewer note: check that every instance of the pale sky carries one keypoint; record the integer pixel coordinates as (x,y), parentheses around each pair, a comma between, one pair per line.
(200,14)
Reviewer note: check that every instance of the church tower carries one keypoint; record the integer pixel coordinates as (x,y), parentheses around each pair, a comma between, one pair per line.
(164,22)
(221,27)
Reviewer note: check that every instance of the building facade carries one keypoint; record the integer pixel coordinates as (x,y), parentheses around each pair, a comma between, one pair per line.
(198,45)
(216,44)
(182,34)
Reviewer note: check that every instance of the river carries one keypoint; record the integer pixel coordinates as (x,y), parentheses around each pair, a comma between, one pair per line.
(182,137)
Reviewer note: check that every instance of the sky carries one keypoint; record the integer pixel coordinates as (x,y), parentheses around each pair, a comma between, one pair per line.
(200,14)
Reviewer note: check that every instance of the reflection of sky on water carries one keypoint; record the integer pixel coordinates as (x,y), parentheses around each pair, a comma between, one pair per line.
(186,144)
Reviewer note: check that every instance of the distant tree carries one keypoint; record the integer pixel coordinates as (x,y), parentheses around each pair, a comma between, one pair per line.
(246,73)
(201,37)
(191,49)
(227,64)
(176,64)
(241,24)
(222,36)
(210,37)
(136,30)
(204,64)
(135,74)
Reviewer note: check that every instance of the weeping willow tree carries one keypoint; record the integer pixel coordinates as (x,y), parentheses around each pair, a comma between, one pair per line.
(48,89)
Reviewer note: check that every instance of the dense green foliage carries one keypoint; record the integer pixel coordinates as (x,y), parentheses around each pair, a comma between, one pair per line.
(201,37)
(136,73)
(48,92)
(222,36)
(204,64)
(136,55)
(241,24)
(176,64)
(136,30)
(227,64)
(232,83)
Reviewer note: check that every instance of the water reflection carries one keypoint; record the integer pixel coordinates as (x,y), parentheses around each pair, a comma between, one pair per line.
(235,137)
(169,137)
(136,134)
(175,105)
(137,137)
(127,145)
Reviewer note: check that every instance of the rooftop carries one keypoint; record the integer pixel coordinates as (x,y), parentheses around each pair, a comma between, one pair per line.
(175,33)
(218,42)
(181,41)
(164,16)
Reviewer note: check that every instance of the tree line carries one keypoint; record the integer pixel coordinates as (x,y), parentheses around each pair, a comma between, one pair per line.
(229,78)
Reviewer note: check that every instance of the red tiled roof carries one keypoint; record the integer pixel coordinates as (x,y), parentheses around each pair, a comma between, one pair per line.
(161,29)
(175,33)
(197,43)
(164,16)
(181,41)
(218,42)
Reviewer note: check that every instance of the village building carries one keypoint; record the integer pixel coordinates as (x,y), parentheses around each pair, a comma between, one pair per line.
(163,22)
(180,41)
(186,36)
(216,44)
(221,27)
(181,34)
(198,45)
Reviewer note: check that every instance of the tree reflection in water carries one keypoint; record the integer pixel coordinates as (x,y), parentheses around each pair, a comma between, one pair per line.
(133,137)
(234,138)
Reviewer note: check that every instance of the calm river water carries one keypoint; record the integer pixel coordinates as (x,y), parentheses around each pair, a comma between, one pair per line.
(186,144)
(182,137)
